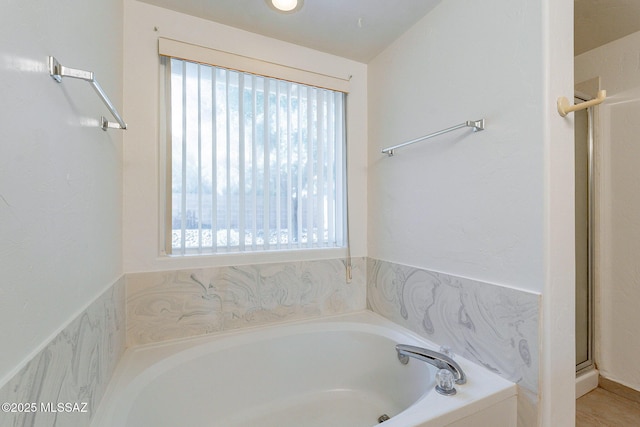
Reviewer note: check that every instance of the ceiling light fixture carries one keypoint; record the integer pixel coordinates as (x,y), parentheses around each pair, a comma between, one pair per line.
(285,6)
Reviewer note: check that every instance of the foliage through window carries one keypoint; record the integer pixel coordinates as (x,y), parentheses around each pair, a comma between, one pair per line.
(254,163)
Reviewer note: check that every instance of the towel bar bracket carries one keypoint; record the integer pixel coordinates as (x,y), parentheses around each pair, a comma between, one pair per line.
(58,71)
(106,124)
(477,125)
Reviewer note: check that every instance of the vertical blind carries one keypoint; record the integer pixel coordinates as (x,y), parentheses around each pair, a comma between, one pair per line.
(254,163)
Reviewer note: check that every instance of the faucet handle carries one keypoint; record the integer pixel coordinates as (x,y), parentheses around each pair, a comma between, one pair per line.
(445,382)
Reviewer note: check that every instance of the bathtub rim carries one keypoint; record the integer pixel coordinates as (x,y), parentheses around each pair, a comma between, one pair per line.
(146,359)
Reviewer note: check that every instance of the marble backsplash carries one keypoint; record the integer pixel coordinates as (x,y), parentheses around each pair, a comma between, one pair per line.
(494,326)
(75,367)
(176,304)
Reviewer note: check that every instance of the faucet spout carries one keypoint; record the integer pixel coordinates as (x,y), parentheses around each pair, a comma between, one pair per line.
(439,360)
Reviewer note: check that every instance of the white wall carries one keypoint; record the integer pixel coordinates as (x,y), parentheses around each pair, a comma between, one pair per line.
(60,174)
(141,200)
(617,276)
(459,203)
(495,206)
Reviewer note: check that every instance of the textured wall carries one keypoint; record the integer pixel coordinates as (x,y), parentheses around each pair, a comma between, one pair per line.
(467,203)
(60,174)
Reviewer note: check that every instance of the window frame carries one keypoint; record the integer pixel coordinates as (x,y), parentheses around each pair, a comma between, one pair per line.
(169,48)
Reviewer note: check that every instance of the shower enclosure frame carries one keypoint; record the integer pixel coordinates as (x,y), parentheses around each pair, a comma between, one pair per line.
(589,363)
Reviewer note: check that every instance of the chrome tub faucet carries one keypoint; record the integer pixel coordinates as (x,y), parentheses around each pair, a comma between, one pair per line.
(437,359)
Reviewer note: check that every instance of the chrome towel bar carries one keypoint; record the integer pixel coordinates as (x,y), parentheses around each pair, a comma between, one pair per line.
(58,71)
(477,125)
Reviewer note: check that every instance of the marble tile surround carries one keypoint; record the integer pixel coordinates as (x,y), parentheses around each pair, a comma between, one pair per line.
(176,304)
(75,367)
(494,326)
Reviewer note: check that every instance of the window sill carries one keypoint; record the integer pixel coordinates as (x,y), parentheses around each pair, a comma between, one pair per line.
(247,258)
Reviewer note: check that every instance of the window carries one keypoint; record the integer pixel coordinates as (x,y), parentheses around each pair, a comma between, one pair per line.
(253,163)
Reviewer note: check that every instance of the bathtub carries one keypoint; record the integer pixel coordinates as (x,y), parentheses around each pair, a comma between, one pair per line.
(340,371)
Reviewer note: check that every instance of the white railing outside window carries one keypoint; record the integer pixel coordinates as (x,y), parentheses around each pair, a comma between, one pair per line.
(253,163)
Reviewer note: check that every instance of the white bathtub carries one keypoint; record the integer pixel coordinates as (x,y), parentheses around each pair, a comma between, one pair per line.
(339,371)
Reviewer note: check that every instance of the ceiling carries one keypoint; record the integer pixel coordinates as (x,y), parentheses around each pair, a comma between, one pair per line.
(598,22)
(355,29)
(360,29)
